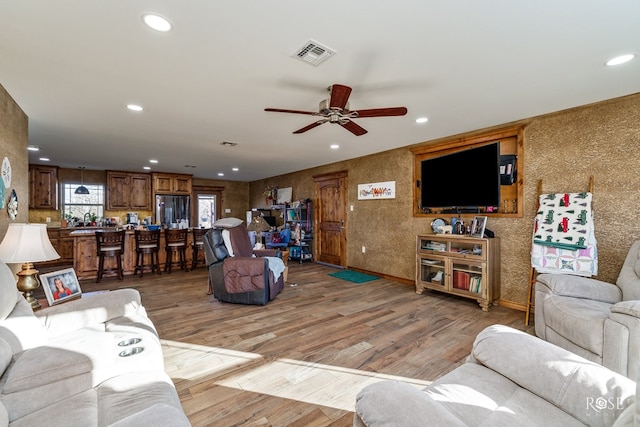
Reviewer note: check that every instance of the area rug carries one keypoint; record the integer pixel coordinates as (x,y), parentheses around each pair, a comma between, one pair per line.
(353,276)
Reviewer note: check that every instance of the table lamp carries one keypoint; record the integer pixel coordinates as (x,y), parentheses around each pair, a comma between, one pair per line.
(258,224)
(26,244)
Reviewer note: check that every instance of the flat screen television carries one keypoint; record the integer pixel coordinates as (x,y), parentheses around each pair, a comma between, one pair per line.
(464,179)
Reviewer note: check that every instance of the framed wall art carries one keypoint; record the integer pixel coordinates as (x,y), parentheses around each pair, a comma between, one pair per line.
(377,190)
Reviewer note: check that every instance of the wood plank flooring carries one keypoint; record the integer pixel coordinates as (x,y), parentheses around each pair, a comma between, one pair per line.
(301,359)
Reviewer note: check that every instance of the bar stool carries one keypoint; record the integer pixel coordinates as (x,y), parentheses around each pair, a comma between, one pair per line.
(197,247)
(109,244)
(147,243)
(176,244)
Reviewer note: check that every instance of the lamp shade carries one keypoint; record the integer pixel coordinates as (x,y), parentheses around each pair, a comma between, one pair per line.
(27,243)
(82,190)
(258,224)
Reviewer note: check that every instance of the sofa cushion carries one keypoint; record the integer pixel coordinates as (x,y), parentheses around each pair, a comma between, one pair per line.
(392,403)
(227,222)
(125,396)
(474,392)
(21,329)
(581,287)
(629,277)
(44,365)
(580,321)
(8,292)
(4,416)
(5,355)
(215,249)
(570,382)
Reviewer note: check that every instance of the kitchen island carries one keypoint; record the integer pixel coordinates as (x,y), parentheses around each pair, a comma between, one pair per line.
(85,257)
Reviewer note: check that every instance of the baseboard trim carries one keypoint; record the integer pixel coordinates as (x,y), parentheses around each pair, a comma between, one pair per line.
(384,276)
(503,303)
(513,305)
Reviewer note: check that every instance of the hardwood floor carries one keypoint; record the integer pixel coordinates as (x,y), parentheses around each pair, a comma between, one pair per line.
(301,359)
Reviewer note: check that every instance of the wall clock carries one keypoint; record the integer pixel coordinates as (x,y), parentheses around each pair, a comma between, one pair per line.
(436,223)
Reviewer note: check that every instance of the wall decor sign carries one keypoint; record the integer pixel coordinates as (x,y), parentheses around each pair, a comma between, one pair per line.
(377,190)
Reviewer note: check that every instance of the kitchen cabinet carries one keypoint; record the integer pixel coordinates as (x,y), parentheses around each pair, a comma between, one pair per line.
(128,190)
(62,242)
(43,187)
(166,183)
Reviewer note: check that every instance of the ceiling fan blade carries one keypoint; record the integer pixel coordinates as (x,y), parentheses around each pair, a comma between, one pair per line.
(280,110)
(381,112)
(353,128)
(339,96)
(311,126)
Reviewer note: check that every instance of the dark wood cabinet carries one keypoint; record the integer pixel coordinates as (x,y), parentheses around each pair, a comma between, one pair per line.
(62,242)
(127,190)
(165,183)
(43,187)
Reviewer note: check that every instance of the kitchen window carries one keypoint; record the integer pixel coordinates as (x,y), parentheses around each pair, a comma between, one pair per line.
(83,207)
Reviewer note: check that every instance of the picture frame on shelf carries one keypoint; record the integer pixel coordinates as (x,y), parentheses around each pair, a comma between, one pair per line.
(478,225)
(60,286)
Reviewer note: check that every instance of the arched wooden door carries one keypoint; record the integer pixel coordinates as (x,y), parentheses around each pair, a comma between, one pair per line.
(330,218)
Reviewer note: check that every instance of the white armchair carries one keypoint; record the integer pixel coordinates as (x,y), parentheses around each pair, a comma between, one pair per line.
(597,320)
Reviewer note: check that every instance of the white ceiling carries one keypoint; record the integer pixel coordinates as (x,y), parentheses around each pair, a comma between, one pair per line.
(465,64)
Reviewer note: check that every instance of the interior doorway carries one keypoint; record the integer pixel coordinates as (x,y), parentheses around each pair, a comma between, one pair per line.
(207,207)
(330,219)
(206,210)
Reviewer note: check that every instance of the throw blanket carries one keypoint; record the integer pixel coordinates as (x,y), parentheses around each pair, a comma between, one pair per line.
(276,265)
(564,221)
(580,262)
(564,218)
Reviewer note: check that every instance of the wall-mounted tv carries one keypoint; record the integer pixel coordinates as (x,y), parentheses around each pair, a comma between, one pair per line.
(464,179)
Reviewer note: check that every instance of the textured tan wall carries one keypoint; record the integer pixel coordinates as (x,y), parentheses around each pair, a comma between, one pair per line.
(563,149)
(13,145)
(235,196)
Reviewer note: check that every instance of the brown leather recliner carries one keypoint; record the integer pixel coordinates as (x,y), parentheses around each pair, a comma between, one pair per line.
(241,279)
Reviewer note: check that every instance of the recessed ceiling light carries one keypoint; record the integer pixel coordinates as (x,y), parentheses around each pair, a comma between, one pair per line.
(621,59)
(235,169)
(33,148)
(44,159)
(334,146)
(422,120)
(146,168)
(157,22)
(153,161)
(134,107)
(220,174)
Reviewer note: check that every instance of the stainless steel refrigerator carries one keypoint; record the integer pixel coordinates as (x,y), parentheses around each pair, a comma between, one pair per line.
(170,210)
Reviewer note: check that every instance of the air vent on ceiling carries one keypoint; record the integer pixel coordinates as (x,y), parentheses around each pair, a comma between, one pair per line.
(313,53)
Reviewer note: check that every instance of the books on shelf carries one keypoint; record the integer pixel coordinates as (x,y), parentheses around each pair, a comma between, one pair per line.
(467,282)
(435,246)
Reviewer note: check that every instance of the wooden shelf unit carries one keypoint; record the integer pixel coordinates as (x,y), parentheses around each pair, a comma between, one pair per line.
(460,265)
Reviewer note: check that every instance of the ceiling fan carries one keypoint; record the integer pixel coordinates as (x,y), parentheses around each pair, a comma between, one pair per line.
(336,110)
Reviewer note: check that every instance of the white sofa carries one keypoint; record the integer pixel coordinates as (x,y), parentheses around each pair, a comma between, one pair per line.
(510,379)
(62,366)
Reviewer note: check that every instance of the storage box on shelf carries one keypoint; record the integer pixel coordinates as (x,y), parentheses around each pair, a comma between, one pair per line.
(460,265)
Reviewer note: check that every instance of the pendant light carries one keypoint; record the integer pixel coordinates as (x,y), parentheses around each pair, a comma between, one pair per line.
(82,189)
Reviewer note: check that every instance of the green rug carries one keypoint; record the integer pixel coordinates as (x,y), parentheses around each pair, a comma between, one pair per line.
(353,276)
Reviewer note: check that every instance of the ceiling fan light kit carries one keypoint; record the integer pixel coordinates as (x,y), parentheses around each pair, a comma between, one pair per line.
(336,110)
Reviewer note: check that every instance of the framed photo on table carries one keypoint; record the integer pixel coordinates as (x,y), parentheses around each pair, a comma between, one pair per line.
(60,286)
(478,225)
